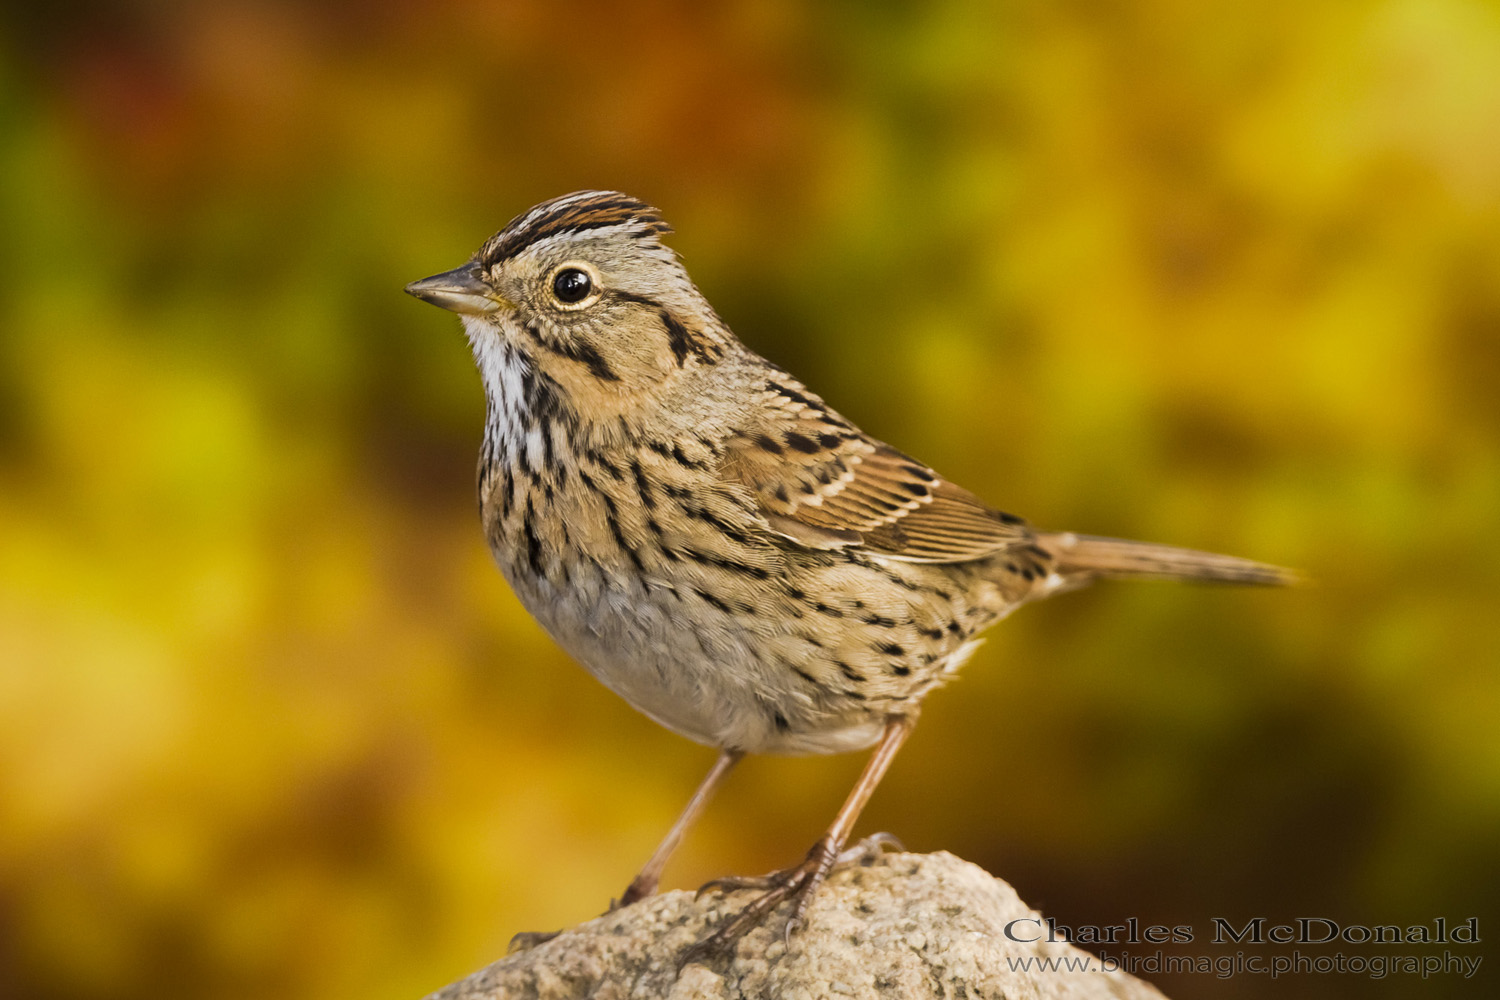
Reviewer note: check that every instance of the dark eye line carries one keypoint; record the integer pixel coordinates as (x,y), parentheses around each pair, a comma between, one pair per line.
(623,296)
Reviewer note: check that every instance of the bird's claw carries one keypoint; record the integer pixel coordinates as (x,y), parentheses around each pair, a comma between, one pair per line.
(867,851)
(634,893)
(527,940)
(797,883)
(734,883)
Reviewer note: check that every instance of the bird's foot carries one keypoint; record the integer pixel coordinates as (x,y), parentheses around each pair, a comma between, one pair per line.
(869,850)
(634,892)
(798,883)
(526,940)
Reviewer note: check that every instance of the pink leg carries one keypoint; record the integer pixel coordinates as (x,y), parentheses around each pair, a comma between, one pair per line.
(645,883)
(802,881)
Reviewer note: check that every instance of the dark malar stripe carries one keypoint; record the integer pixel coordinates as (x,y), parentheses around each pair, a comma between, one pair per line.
(576,350)
(595,361)
(545,399)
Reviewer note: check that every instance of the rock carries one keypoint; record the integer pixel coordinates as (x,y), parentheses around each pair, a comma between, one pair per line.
(905,925)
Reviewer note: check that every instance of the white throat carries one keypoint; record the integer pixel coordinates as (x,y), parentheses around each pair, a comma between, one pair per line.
(505,372)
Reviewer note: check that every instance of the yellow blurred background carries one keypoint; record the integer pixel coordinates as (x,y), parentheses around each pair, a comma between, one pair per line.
(1222,275)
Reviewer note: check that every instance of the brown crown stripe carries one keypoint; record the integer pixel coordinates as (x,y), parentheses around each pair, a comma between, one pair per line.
(571,214)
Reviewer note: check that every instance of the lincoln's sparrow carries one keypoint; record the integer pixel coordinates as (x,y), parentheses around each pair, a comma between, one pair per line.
(712,540)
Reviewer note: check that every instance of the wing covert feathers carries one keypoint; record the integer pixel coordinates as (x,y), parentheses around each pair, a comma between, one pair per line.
(822,482)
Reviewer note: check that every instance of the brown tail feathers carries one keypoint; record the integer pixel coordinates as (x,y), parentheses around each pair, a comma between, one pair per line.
(1089,556)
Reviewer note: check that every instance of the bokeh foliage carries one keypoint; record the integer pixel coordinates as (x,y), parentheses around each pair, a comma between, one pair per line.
(1225,275)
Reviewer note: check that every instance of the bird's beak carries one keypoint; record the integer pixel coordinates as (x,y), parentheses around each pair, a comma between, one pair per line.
(463,290)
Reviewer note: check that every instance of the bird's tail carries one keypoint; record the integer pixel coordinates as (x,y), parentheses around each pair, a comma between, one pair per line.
(1086,557)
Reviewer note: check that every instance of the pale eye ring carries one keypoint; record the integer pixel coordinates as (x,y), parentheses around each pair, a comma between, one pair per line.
(574,285)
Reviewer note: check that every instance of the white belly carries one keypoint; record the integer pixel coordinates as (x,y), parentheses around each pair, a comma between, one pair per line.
(690,667)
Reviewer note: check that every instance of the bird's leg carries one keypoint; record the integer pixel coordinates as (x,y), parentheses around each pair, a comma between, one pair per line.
(645,883)
(800,882)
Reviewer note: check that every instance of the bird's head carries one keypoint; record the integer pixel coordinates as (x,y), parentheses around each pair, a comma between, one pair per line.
(584,291)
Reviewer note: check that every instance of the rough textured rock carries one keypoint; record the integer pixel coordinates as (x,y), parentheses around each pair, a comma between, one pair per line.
(906,925)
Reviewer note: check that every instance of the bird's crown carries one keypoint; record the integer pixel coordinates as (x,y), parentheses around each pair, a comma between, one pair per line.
(569,215)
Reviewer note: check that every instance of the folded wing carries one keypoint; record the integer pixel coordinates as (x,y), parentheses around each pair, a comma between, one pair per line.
(822,482)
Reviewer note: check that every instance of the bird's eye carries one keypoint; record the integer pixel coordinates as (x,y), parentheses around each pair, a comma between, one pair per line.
(572,285)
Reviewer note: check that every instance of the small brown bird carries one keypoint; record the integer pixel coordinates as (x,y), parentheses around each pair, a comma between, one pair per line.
(712,540)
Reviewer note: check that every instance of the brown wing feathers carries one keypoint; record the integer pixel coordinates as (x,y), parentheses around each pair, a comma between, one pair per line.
(954,526)
(822,482)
